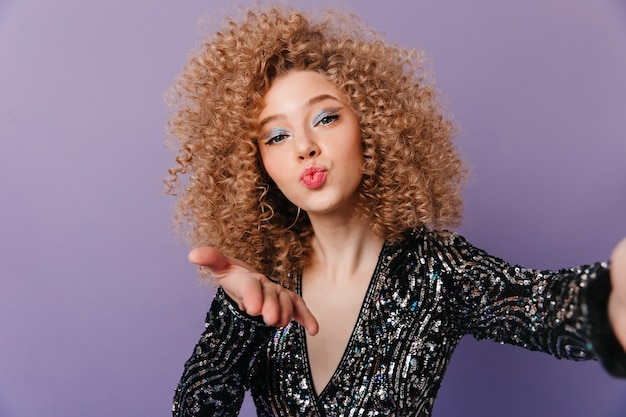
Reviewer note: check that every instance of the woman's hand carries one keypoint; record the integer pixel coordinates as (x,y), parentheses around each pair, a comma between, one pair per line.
(617,299)
(254,292)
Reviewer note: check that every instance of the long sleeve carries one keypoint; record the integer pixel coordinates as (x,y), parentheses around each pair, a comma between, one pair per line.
(216,375)
(558,312)
(608,349)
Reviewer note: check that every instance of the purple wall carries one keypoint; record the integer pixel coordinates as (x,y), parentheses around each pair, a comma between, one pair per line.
(98,306)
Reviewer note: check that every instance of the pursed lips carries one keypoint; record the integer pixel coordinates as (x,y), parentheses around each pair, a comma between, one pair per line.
(313,176)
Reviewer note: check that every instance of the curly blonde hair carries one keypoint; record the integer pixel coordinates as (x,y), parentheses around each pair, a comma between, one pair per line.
(411,173)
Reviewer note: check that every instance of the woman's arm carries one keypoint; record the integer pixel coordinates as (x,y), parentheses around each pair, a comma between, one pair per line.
(238,325)
(564,313)
(216,375)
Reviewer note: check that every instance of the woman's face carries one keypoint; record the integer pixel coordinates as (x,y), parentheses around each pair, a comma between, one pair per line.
(310,143)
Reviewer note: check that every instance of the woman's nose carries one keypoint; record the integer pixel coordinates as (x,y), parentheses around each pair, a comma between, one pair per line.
(306,146)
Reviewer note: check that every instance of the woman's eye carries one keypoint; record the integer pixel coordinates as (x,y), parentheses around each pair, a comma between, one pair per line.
(326,120)
(276,138)
(326,117)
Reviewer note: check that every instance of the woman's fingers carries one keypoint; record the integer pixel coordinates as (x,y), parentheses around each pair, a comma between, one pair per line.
(211,258)
(286,308)
(280,305)
(271,306)
(251,295)
(302,314)
(215,260)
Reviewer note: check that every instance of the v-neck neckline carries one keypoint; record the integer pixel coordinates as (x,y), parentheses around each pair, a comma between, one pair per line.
(367,299)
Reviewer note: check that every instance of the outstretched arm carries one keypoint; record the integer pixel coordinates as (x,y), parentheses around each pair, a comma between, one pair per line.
(617,299)
(253,292)
(217,373)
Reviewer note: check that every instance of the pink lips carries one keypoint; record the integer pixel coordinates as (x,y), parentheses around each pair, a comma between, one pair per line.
(313,176)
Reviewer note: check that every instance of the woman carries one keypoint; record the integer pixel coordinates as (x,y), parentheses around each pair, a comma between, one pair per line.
(321,178)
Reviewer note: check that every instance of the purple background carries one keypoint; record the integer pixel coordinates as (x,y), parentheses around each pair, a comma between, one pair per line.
(99,308)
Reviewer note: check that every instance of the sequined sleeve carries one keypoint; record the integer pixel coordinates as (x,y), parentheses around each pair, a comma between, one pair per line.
(560,312)
(216,375)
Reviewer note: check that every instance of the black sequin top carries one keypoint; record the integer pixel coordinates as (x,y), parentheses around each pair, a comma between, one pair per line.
(427,292)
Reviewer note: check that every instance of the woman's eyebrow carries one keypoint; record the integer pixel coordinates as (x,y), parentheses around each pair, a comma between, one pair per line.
(309,103)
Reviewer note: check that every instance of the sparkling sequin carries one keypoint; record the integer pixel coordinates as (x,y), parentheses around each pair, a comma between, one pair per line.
(426,293)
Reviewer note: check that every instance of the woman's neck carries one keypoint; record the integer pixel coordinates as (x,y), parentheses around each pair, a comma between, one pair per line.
(340,251)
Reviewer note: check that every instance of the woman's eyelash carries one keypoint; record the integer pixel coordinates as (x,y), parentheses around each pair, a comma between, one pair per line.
(326,117)
(275,136)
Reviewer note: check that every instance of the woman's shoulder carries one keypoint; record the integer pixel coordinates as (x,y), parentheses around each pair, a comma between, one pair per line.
(442,247)
(425,236)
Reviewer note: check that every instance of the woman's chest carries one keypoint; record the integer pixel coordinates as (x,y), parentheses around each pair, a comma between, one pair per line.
(338,311)
(392,360)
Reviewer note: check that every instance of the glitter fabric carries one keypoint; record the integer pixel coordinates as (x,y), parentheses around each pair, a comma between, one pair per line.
(426,293)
